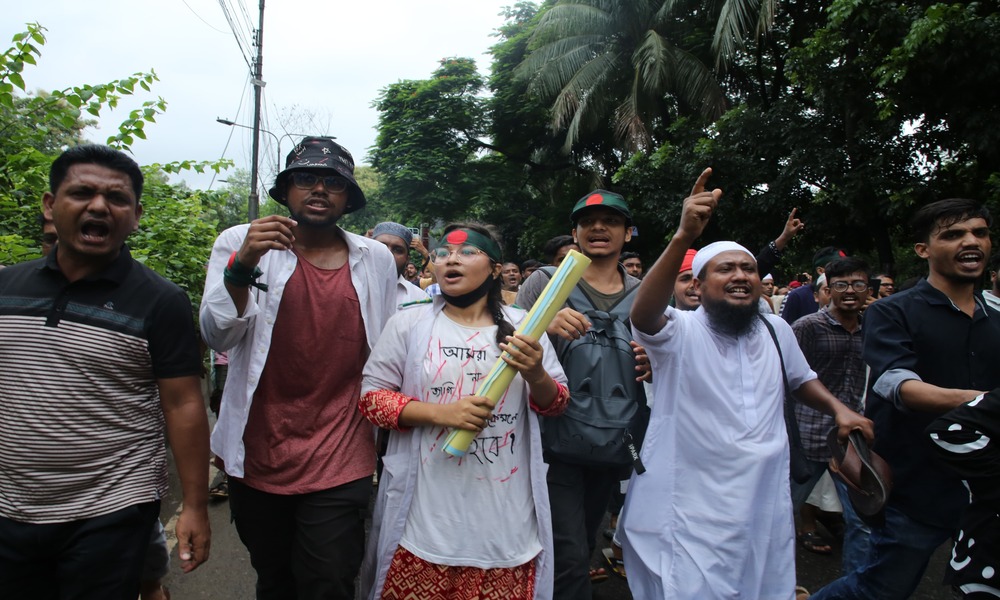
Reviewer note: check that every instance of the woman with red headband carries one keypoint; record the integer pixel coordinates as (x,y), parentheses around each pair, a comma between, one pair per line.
(476,526)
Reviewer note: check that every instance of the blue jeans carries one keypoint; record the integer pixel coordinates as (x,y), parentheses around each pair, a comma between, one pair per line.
(856,533)
(898,554)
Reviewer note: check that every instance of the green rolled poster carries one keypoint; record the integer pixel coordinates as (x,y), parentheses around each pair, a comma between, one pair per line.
(549,302)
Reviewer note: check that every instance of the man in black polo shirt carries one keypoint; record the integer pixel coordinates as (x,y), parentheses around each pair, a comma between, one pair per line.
(931,348)
(97,353)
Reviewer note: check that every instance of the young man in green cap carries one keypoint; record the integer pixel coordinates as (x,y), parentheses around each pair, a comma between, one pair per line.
(580,487)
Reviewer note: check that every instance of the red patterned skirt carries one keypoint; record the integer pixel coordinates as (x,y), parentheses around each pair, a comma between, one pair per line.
(412,578)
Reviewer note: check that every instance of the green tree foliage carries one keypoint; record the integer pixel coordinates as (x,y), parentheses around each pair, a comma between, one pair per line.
(377,209)
(616,67)
(838,110)
(178,225)
(33,129)
(446,153)
(228,206)
(174,237)
(426,141)
(533,177)
(856,112)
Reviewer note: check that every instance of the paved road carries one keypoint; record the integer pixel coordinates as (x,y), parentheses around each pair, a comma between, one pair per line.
(228,574)
(814,571)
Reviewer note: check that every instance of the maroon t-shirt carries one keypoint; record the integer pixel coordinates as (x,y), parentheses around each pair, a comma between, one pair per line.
(304,432)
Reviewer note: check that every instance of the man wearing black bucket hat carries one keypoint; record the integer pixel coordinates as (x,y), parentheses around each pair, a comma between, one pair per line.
(298,303)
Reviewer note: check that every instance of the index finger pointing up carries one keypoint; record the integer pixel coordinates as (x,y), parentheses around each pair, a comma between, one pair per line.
(699,186)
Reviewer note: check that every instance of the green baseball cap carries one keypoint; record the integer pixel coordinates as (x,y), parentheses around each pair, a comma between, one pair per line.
(601,198)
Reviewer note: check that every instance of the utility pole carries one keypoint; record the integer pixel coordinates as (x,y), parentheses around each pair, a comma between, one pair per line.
(253,204)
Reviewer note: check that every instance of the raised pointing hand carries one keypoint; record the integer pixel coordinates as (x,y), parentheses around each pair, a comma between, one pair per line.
(698,206)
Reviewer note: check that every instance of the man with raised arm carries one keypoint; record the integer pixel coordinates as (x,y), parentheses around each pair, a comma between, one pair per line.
(711,516)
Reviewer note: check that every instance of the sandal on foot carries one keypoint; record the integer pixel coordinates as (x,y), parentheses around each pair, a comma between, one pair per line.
(615,565)
(814,542)
(801,593)
(598,575)
(220,491)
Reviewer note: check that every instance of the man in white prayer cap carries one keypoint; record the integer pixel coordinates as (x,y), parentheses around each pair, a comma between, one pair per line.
(711,515)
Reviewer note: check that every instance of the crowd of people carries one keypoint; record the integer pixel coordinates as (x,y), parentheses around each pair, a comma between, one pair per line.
(707,407)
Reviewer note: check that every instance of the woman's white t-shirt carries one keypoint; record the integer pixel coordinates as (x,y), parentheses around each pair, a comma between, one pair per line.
(475,511)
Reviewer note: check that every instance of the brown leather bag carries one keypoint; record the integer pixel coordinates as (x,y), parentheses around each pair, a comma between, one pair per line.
(867,475)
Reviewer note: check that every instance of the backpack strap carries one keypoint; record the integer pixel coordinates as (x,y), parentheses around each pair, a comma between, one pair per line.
(579,300)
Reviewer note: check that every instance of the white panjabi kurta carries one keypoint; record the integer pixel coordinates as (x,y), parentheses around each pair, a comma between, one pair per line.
(711,518)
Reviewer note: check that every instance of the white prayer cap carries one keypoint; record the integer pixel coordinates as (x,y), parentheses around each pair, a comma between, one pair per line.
(766,277)
(712,250)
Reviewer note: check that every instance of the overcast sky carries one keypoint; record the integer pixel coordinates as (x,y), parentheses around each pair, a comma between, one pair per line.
(327,57)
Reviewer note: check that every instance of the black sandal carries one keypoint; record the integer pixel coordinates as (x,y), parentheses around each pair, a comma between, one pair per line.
(220,491)
(615,565)
(814,542)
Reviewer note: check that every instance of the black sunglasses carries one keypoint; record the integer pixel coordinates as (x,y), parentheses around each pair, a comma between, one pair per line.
(307,181)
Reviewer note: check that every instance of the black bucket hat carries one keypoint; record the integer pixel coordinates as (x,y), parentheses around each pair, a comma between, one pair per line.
(319,153)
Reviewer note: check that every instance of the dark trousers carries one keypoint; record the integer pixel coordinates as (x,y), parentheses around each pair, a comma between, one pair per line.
(304,546)
(579,497)
(99,558)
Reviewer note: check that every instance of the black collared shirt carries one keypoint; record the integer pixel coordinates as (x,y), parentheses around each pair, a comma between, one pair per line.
(920,330)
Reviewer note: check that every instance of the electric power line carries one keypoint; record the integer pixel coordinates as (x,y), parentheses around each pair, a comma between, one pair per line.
(246,15)
(210,26)
(239,108)
(236,33)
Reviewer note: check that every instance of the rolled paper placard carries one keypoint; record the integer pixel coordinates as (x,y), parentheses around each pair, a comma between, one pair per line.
(549,302)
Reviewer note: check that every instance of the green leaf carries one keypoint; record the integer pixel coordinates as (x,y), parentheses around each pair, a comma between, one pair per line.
(16,79)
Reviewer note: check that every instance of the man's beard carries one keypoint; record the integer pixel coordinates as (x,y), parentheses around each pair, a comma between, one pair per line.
(731,319)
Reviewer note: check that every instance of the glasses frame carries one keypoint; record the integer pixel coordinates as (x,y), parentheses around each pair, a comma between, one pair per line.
(332,183)
(858,285)
(437,257)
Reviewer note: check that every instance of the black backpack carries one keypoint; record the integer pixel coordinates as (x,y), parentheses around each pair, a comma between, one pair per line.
(607,414)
